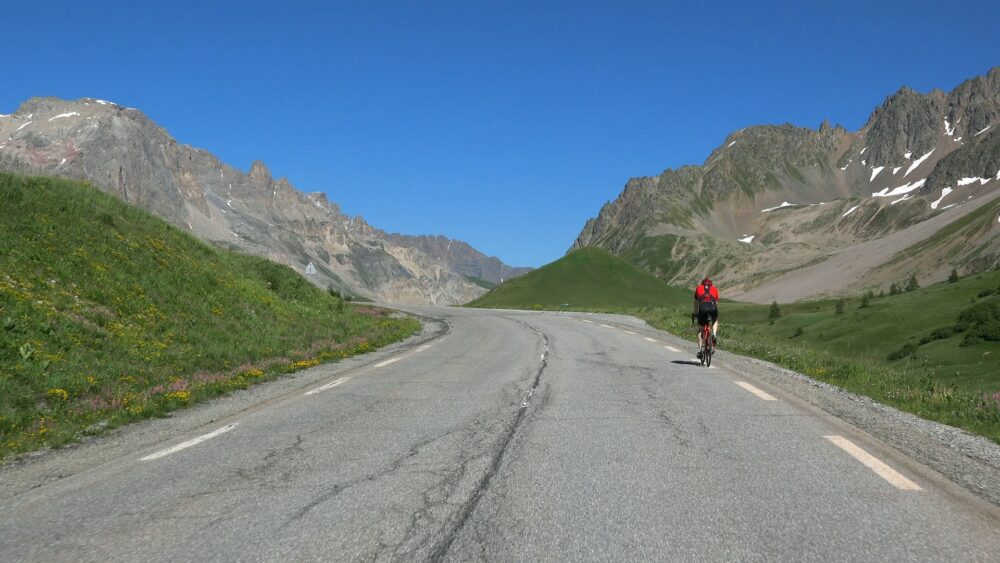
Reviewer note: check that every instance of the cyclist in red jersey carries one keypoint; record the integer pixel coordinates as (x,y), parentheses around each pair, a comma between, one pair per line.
(706,309)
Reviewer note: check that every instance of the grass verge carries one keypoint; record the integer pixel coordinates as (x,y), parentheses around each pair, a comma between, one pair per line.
(110,315)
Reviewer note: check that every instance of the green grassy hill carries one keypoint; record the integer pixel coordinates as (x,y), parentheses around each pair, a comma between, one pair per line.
(588,278)
(108,314)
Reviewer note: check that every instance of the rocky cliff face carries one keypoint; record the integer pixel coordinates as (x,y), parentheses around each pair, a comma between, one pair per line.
(774,200)
(122,151)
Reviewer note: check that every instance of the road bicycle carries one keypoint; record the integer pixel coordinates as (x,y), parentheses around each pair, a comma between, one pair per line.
(708,344)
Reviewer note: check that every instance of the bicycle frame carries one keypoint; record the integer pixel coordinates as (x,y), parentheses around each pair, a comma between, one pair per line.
(707,348)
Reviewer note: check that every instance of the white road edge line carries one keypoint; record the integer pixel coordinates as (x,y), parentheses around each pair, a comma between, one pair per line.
(327,386)
(755,391)
(387,362)
(422,348)
(629,332)
(189,443)
(606,326)
(648,339)
(671,348)
(873,463)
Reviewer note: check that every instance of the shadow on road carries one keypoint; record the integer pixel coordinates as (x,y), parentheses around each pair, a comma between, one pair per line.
(686,362)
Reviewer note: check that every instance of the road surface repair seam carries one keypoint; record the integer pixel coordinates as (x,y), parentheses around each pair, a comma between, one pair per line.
(441,549)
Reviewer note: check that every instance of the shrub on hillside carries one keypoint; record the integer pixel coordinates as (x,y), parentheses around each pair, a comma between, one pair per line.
(939,334)
(774,312)
(982,321)
(908,349)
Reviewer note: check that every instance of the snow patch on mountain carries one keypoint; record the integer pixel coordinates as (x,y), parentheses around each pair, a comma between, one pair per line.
(851,210)
(747,239)
(983,130)
(783,204)
(904,189)
(944,193)
(967,181)
(918,162)
(875,172)
(61,115)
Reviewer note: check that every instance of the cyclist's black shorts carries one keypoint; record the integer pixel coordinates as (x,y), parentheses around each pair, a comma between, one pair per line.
(708,312)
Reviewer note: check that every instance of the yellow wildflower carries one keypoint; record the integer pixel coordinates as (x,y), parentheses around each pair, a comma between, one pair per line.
(57,393)
(182,396)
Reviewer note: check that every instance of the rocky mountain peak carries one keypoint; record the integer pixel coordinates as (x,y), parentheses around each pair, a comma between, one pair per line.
(774,198)
(260,175)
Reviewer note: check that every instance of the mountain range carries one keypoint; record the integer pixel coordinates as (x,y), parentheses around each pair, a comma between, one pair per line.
(121,151)
(779,212)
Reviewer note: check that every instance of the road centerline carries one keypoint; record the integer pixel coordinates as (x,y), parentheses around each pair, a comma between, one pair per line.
(648,339)
(871,462)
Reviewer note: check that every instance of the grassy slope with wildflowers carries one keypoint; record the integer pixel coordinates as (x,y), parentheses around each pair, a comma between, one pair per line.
(109,315)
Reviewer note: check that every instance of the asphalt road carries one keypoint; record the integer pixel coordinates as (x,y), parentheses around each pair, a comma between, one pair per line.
(507,436)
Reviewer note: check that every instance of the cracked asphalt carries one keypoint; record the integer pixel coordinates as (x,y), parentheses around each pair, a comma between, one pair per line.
(498,436)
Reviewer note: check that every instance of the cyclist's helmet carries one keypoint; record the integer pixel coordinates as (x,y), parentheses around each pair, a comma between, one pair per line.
(707,282)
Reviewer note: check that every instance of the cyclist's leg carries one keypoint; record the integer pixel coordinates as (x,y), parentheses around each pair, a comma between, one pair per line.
(703,319)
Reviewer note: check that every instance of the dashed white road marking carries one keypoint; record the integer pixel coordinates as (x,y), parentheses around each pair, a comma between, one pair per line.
(387,362)
(422,348)
(755,391)
(606,326)
(629,332)
(586,321)
(671,348)
(873,463)
(189,443)
(648,339)
(328,386)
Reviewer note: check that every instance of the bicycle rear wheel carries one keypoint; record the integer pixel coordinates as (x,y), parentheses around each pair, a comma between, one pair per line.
(707,356)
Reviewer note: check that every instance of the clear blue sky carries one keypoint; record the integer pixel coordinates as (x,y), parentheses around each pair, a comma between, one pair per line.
(505,124)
